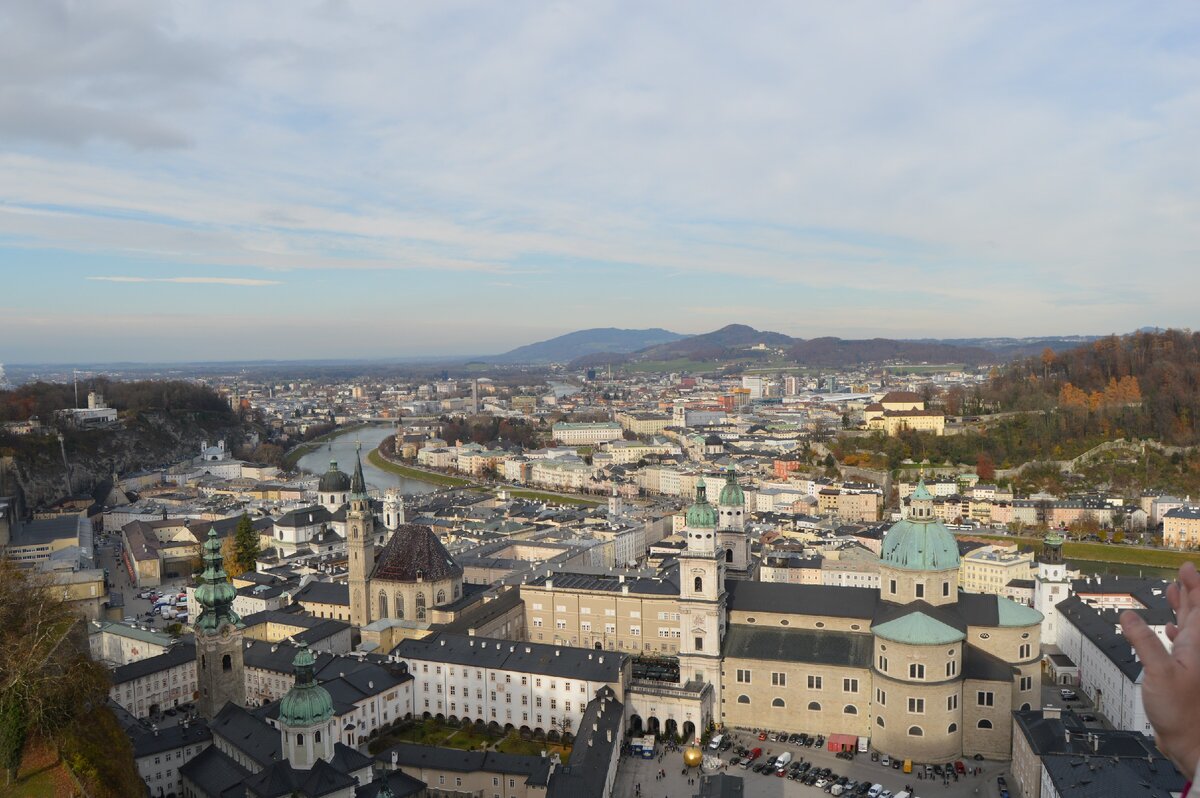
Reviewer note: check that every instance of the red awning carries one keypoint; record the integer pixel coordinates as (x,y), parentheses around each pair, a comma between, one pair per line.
(842,742)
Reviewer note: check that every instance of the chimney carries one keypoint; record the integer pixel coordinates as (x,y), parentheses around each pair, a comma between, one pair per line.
(1052,713)
(1095,743)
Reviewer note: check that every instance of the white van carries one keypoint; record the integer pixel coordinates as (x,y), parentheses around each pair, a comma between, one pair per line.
(904,794)
(783,761)
(716,741)
(874,791)
(862,745)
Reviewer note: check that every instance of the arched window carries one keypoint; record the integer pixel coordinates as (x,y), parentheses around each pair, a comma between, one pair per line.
(383,610)
(850,709)
(441,598)
(728,555)
(777,702)
(814,706)
(984,724)
(915,731)
(1025,707)
(879,721)
(952,728)
(743,699)
(699,584)
(400,606)
(226,663)
(299,739)
(421,605)
(316,737)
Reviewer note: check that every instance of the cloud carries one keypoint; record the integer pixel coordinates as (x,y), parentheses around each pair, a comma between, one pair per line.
(242,281)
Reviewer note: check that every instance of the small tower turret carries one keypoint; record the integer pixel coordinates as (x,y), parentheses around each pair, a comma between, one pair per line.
(306,720)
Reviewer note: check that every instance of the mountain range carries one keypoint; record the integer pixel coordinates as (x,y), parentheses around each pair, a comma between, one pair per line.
(603,346)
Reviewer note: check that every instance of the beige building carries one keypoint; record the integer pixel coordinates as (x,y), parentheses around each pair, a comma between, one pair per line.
(587,433)
(989,569)
(1181,527)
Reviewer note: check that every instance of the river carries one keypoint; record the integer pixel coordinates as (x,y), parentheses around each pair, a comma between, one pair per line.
(342,449)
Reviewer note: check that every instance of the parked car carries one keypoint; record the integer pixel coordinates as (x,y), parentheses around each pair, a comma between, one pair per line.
(1088,718)
(960,768)
(1068,695)
(885,760)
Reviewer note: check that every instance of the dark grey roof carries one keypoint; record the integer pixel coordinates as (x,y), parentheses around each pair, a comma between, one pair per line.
(978,664)
(484,612)
(834,601)
(334,480)
(978,609)
(1100,628)
(281,780)
(413,552)
(249,734)
(305,516)
(45,530)
(822,646)
(400,783)
(487,652)
(1076,776)
(597,743)
(325,593)
(215,774)
(182,652)
(658,586)
(453,759)
(721,785)
(168,738)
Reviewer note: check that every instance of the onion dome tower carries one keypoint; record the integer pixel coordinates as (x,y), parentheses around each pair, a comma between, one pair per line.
(218,635)
(306,716)
(732,542)
(701,596)
(1050,586)
(919,560)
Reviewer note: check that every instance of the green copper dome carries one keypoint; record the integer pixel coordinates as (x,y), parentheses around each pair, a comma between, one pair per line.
(731,492)
(918,629)
(307,703)
(920,542)
(701,514)
(215,596)
(333,480)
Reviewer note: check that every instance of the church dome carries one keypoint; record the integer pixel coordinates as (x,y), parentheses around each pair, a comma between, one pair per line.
(307,702)
(731,492)
(920,542)
(333,480)
(701,514)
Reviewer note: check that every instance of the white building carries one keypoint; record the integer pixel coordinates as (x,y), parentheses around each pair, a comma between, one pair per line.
(159,753)
(156,684)
(587,433)
(121,643)
(530,685)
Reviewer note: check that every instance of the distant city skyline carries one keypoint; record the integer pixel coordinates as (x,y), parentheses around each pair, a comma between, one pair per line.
(333,180)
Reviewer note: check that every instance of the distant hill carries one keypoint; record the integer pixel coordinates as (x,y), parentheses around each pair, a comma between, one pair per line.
(1011,348)
(574,345)
(839,352)
(716,344)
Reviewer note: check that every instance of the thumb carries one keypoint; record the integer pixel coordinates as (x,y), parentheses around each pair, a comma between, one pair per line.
(1149,648)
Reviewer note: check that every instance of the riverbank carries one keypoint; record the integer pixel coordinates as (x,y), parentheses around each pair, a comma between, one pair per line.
(294,454)
(1102,552)
(380,462)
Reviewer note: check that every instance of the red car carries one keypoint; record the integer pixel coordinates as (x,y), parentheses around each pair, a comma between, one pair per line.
(960,768)
(762,735)
(755,754)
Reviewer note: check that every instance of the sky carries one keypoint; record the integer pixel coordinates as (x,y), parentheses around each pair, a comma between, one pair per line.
(228,180)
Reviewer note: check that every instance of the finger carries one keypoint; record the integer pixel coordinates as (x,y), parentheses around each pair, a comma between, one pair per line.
(1189,577)
(1172,630)
(1150,649)
(1187,601)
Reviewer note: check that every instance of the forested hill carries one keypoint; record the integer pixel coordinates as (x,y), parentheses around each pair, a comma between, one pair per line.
(1146,384)
(160,422)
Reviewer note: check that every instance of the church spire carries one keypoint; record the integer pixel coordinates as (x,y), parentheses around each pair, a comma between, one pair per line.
(215,595)
(358,485)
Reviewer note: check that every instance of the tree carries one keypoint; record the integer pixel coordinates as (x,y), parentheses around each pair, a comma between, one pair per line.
(985,469)
(229,554)
(47,679)
(245,545)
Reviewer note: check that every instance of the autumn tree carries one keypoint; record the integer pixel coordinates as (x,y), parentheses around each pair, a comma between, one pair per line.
(985,469)
(229,555)
(245,545)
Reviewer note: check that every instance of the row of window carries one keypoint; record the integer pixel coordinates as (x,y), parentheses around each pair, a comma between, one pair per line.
(917,731)
(779,679)
(813,706)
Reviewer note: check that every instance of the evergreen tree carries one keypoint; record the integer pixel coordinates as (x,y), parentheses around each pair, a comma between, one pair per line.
(245,544)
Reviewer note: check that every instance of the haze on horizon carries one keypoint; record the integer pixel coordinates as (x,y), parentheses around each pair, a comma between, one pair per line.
(299,180)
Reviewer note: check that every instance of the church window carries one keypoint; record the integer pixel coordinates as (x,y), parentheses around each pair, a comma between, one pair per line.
(892,586)
(984,724)
(945,588)
(916,671)
(951,702)
(400,606)
(985,698)
(920,588)
(849,709)
(299,739)
(814,682)
(778,679)
(1026,682)
(814,706)
(1024,653)
(743,676)
(880,697)
(420,605)
(383,607)
(728,555)
(777,702)
(952,728)
(316,737)
(699,643)
(784,622)
(879,721)
(849,685)
(820,624)
(441,597)
(699,584)
(915,731)
(743,699)
(226,663)
(916,706)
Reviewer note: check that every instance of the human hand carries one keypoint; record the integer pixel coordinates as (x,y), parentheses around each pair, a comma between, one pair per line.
(1171,680)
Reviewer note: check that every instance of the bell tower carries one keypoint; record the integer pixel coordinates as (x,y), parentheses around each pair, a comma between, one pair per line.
(732,542)
(360,547)
(219,667)
(701,596)
(1051,586)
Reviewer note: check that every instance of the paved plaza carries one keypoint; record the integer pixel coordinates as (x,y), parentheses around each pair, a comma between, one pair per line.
(634,771)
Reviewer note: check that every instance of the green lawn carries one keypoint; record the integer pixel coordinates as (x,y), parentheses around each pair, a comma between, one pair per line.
(552,498)
(376,459)
(1103,552)
(443,736)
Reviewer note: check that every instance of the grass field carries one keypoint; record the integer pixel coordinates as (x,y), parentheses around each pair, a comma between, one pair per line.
(376,459)
(431,732)
(1103,552)
(551,498)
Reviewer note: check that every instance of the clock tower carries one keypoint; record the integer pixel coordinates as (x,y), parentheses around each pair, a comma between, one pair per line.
(360,548)
(219,669)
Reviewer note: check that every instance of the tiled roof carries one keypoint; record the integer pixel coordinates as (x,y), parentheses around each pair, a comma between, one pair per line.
(413,552)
